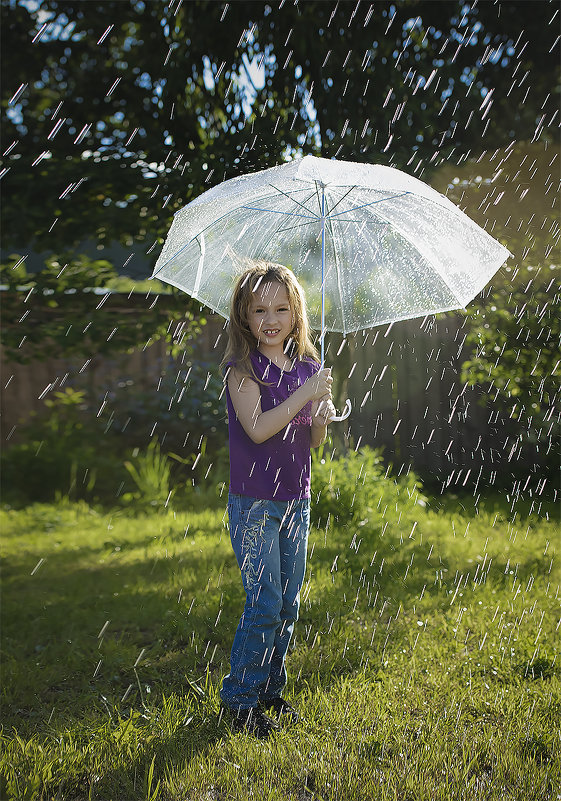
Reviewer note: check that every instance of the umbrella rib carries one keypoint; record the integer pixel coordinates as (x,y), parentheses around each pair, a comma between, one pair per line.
(292,227)
(293,199)
(338,272)
(276,211)
(317,194)
(366,222)
(364,205)
(340,201)
(419,250)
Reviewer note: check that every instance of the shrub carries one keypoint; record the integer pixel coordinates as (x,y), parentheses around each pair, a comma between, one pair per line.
(151,472)
(45,312)
(186,406)
(514,339)
(355,488)
(64,453)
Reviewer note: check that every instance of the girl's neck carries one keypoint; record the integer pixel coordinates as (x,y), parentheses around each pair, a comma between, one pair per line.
(277,356)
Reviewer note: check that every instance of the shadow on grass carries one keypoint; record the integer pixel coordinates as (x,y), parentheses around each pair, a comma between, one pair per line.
(74,633)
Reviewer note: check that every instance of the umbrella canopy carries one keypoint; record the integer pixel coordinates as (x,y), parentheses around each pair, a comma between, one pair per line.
(369,244)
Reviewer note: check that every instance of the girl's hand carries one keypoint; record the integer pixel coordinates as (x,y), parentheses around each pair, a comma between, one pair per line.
(323,410)
(320,384)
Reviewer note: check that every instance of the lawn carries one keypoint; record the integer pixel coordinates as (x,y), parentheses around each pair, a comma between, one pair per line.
(425,662)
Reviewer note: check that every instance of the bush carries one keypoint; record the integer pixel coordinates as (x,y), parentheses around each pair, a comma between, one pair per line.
(514,338)
(186,407)
(355,488)
(151,472)
(64,454)
(114,457)
(45,312)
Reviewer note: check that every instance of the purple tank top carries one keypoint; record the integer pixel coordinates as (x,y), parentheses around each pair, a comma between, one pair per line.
(279,468)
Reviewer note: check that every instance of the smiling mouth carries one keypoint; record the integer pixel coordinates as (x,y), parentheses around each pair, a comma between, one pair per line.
(271,332)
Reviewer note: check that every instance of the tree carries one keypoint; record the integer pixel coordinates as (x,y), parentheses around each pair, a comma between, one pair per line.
(515,356)
(69,309)
(121,112)
(514,325)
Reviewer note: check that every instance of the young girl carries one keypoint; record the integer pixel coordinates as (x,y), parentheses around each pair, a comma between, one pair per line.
(279,404)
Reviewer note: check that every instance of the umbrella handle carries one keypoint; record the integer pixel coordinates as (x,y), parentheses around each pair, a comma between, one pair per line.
(345,413)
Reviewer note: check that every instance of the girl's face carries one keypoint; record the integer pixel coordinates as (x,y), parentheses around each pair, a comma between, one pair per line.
(270,316)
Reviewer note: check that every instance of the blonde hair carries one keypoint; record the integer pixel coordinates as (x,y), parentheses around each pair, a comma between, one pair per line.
(240,339)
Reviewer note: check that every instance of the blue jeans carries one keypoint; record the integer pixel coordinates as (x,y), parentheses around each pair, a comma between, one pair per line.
(270,540)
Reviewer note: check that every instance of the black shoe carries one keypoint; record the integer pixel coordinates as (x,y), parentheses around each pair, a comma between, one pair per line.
(281,708)
(252,721)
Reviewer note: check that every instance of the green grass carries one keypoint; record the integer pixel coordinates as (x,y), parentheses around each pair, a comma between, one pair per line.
(425,661)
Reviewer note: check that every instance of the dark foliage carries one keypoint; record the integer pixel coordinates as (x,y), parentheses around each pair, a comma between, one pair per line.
(127,110)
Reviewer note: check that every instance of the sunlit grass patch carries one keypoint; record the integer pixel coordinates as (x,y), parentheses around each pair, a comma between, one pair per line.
(425,662)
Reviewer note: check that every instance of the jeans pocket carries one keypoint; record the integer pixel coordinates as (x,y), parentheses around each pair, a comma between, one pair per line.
(255,506)
(242,511)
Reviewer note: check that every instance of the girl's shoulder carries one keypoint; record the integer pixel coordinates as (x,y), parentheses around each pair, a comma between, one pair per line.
(238,363)
(228,368)
(250,368)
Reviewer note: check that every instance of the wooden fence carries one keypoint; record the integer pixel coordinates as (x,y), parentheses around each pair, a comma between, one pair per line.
(408,398)
(403,381)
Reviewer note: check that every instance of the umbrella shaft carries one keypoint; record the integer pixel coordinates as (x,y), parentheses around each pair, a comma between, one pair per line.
(322,274)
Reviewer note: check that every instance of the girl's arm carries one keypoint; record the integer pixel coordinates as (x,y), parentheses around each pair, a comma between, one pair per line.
(259,425)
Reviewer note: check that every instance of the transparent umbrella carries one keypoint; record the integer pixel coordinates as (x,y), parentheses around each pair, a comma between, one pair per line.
(369,244)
